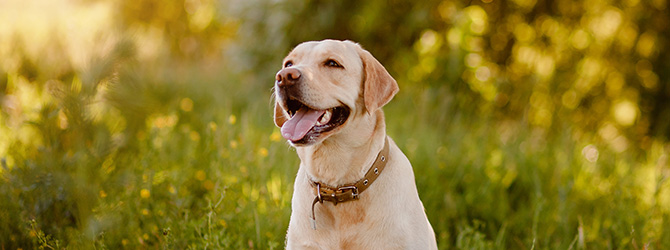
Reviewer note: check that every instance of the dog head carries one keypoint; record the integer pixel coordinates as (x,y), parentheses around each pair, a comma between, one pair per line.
(324,86)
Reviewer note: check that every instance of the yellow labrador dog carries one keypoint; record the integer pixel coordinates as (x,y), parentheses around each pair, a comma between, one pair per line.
(355,189)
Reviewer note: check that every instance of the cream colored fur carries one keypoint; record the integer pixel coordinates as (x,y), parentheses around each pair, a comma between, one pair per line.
(389,214)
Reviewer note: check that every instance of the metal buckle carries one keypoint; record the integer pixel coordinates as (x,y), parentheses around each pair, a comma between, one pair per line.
(354,191)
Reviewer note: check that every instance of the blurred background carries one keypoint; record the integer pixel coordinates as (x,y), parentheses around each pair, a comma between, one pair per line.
(146,124)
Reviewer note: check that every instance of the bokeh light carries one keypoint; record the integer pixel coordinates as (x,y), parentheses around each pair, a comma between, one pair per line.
(147,124)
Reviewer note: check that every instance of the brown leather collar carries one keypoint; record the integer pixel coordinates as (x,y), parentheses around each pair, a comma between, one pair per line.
(350,192)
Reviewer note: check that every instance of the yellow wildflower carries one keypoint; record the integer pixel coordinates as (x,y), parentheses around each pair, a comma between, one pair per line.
(145,193)
(195,136)
(208,184)
(275,136)
(263,152)
(200,175)
(186,104)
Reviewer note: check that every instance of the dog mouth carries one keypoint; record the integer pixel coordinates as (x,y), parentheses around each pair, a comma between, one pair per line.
(306,124)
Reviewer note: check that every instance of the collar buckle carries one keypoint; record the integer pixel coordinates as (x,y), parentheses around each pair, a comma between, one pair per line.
(354,191)
(337,195)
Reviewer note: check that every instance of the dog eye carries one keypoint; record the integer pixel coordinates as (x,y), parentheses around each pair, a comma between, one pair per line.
(288,64)
(333,63)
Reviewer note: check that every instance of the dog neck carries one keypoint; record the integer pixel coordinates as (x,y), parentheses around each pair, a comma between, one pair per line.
(346,156)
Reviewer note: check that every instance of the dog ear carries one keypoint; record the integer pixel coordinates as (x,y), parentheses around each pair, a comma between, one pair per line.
(279,116)
(379,86)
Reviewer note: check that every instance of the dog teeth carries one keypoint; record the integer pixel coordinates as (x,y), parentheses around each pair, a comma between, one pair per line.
(325,118)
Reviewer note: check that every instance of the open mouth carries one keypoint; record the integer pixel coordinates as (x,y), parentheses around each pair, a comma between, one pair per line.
(306,124)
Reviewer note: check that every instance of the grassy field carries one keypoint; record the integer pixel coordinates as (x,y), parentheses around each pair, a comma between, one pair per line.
(194,161)
(125,152)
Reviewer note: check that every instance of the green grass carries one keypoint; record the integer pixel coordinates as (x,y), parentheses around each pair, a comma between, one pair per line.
(173,156)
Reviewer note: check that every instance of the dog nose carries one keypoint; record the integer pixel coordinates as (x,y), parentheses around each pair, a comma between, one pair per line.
(288,76)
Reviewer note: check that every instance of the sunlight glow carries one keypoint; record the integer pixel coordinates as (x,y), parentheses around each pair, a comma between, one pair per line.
(40,23)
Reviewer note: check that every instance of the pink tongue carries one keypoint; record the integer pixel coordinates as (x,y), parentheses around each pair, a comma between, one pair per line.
(303,120)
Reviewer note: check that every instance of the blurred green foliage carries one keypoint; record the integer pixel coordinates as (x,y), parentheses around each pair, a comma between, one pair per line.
(146,124)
